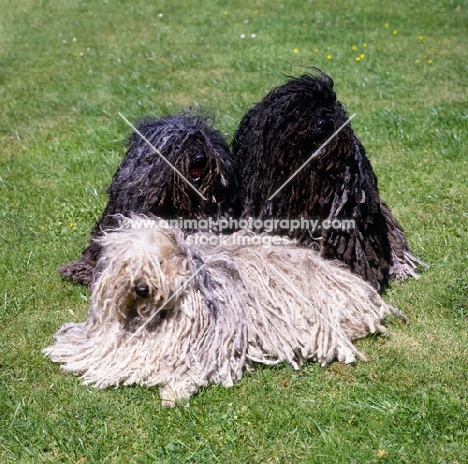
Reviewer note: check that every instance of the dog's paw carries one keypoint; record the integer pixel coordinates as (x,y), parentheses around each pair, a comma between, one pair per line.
(172,394)
(168,403)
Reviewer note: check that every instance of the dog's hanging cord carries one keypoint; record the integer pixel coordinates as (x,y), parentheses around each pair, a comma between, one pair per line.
(338,330)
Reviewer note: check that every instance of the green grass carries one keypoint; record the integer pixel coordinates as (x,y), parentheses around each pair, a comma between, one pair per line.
(68,67)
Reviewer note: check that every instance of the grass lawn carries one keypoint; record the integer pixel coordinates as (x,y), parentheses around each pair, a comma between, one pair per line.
(68,67)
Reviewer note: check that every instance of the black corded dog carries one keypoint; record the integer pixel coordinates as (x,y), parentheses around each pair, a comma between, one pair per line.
(273,141)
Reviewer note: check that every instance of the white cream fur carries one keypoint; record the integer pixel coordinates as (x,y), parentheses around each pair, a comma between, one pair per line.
(247,305)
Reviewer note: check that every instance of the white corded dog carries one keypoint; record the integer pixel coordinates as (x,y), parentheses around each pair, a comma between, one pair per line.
(179,315)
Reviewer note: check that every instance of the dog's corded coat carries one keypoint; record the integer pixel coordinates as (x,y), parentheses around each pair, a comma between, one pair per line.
(272,142)
(181,315)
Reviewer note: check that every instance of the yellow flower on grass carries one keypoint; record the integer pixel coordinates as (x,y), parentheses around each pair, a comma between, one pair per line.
(387,25)
(429,61)
(296,50)
(329,57)
(420,37)
(71,225)
(364,45)
(395,32)
(353,47)
(362,56)
(358,58)
(418,61)
(226,12)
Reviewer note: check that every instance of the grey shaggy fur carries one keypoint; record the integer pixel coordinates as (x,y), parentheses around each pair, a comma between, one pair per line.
(145,184)
(180,315)
(273,141)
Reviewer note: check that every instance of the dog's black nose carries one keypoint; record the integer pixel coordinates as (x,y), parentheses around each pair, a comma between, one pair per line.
(322,124)
(199,158)
(142,290)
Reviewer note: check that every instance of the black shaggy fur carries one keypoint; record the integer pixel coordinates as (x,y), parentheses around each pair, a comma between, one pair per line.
(145,184)
(277,136)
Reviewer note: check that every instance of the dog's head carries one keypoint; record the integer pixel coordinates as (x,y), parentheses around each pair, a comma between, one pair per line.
(201,157)
(280,134)
(292,120)
(138,275)
(204,158)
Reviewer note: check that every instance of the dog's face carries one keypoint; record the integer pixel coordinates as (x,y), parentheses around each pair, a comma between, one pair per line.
(289,125)
(197,165)
(201,160)
(203,183)
(141,271)
(308,114)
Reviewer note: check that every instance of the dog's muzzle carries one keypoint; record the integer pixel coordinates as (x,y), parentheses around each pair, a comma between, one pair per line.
(197,167)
